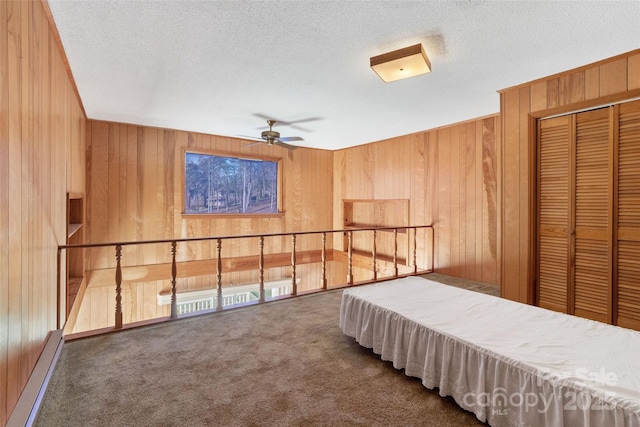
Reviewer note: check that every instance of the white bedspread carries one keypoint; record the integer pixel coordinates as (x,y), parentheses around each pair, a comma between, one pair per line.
(508,363)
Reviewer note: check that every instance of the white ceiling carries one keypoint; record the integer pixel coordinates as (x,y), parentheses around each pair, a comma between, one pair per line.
(223,67)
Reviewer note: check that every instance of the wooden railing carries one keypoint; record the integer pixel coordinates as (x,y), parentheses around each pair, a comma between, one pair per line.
(411,260)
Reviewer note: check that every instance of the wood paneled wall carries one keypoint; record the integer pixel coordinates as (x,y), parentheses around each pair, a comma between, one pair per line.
(135,182)
(41,159)
(135,185)
(603,82)
(135,190)
(451,178)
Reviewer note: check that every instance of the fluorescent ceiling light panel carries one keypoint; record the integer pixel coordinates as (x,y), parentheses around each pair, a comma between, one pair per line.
(402,63)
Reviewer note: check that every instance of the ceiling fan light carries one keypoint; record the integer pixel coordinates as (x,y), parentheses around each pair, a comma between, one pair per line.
(402,63)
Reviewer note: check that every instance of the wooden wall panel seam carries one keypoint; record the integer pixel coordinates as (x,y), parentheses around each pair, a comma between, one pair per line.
(5,247)
(524,202)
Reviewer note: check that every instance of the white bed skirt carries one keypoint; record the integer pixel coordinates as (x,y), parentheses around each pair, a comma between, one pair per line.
(510,364)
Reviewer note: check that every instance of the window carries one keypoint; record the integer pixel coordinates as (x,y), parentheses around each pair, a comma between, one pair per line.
(228,185)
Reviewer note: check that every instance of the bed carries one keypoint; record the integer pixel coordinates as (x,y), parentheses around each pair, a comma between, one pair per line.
(510,364)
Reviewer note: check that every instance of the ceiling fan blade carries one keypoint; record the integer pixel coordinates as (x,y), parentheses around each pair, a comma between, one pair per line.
(255,143)
(291,138)
(253,138)
(293,123)
(287,146)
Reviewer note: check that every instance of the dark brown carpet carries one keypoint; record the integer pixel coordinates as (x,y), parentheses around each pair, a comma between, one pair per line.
(281,363)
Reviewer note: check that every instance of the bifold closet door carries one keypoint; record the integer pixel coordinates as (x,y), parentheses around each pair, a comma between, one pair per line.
(628,219)
(574,214)
(588,243)
(554,212)
(592,244)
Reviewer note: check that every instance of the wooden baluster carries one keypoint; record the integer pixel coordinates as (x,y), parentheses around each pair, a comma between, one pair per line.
(373,257)
(261,267)
(58,291)
(433,249)
(350,258)
(415,249)
(174,273)
(219,281)
(118,288)
(324,260)
(294,285)
(395,252)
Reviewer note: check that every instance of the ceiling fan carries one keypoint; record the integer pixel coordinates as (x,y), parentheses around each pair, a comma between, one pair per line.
(271,137)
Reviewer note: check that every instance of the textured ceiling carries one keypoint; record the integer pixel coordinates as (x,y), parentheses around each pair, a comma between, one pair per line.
(223,67)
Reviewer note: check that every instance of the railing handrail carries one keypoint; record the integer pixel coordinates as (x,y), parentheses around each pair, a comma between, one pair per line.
(293,234)
(247,236)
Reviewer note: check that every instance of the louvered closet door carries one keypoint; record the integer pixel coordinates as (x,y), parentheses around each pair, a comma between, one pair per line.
(588,260)
(554,212)
(628,233)
(591,293)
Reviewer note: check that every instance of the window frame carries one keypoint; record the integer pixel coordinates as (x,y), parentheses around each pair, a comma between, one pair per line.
(279,184)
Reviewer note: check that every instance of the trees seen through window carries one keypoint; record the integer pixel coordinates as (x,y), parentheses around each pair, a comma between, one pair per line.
(228,185)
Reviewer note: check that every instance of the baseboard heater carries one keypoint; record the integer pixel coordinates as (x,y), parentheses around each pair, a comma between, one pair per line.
(24,414)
